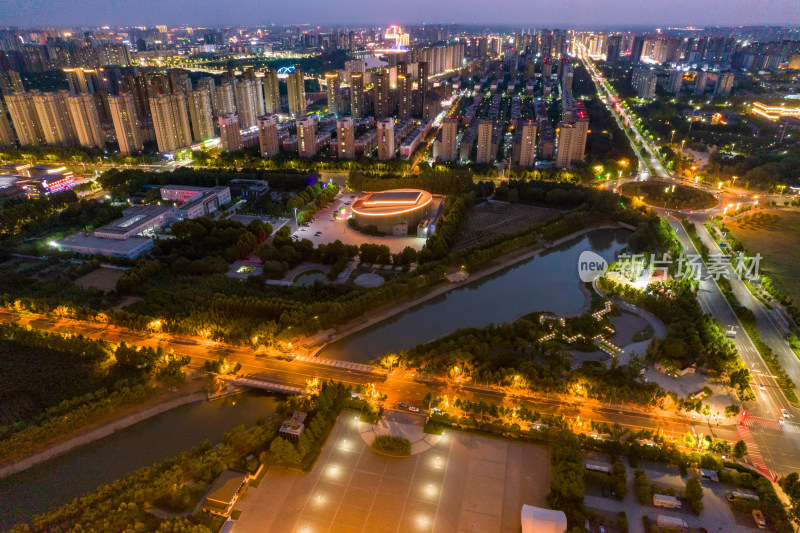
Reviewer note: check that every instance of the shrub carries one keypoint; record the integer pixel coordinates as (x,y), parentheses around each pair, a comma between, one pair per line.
(391,445)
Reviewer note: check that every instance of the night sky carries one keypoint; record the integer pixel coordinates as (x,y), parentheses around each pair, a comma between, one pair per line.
(555,13)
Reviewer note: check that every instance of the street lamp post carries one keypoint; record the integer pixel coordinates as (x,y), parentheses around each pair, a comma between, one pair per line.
(672,137)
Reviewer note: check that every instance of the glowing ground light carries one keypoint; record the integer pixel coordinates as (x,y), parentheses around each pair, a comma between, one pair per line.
(430,490)
(423,521)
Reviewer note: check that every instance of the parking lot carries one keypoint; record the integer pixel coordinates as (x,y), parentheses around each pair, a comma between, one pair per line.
(716,516)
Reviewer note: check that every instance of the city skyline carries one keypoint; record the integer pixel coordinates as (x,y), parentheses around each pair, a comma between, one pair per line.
(582,13)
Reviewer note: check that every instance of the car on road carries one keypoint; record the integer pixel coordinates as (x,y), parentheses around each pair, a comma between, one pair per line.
(784,413)
(762,387)
(414,409)
(402,405)
(780,420)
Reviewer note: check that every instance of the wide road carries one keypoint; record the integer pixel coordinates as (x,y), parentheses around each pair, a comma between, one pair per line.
(768,328)
(779,443)
(398,387)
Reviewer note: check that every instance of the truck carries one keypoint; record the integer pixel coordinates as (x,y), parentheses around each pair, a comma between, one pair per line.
(669,502)
(671,523)
(758,516)
(736,495)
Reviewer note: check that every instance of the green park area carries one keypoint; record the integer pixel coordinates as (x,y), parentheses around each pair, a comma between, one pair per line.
(776,236)
(674,196)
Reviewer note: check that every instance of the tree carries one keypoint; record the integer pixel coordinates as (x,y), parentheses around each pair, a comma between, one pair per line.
(740,449)
(283,452)
(694,495)
(641,486)
(619,480)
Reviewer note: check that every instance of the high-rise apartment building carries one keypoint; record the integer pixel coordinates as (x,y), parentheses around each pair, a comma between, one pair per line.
(404,94)
(11,82)
(209,84)
(297,93)
(675,81)
(637,48)
(201,114)
(345,138)
(85,120)
(700,82)
(613,50)
(644,82)
(229,132)
(272,95)
(572,139)
(126,123)
(53,113)
(268,135)
(6,132)
(386,143)
(137,86)
(724,84)
(306,136)
(524,149)
(25,119)
(357,103)
(334,93)
(444,148)
(171,122)
(380,93)
(246,95)
(485,147)
(225,101)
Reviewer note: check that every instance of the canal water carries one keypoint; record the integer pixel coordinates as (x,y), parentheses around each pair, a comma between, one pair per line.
(547,282)
(56,482)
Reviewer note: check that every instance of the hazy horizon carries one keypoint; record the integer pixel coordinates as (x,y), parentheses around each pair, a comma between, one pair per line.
(510,13)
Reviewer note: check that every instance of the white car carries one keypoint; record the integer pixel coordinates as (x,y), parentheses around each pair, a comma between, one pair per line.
(784,413)
(414,409)
(762,387)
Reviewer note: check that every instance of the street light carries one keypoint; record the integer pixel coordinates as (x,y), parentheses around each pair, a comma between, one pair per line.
(672,137)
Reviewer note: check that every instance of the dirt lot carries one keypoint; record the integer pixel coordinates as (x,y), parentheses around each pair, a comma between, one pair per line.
(489,219)
(104,279)
(776,236)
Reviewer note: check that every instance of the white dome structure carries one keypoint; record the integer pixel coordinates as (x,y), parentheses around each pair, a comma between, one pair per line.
(538,520)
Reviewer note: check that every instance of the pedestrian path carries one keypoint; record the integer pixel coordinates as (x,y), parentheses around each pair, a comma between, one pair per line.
(754,421)
(360,367)
(753,453)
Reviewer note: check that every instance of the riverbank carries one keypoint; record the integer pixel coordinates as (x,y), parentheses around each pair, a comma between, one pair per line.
(119,420)
(389,310)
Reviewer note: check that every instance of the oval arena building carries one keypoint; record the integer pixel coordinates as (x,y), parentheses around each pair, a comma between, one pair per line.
(395,212)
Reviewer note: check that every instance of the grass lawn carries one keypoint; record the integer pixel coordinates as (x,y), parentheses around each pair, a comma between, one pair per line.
(655,193)
(776,236)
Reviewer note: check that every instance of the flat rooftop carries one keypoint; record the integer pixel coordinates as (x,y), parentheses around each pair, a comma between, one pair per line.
(105,246)
(135,216)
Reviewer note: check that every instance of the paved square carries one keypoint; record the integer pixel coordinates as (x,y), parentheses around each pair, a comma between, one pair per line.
(462,483)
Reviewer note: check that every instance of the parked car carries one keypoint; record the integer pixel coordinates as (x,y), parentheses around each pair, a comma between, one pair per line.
(402,405)
(414,409)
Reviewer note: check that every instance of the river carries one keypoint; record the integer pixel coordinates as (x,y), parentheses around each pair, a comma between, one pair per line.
(53,483)
(547,282)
